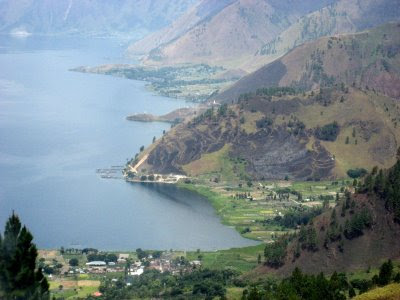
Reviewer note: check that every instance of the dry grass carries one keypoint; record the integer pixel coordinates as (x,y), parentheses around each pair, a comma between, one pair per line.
(389,292)
(358,106)
(250,121)
(208,163)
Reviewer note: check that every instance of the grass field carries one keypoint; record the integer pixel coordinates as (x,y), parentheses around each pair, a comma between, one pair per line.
(239,259)
(73,289)
(389,292)
(247,214)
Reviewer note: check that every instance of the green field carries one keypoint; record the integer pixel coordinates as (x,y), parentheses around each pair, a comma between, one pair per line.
(248,214)
(239,259)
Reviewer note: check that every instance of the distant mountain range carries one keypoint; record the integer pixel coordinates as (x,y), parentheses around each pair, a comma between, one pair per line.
(133,18)
(216,31)
(250,33)
(344,16)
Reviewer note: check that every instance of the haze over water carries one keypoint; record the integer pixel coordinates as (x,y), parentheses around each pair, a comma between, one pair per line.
(57,127)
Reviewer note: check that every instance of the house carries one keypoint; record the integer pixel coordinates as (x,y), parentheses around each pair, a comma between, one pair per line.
(96,263)
(122,258)
(195,263)
(138,272)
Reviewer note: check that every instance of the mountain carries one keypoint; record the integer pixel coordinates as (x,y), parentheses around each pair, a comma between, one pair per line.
(317,129)
(220,31)
(204,9)
(345,16)
(94,17)
(368,60)
(359,232)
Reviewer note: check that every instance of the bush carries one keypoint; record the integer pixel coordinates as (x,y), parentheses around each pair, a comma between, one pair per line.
(328,132)
(264,122)
(73,262)
(356,173)
(275,253)
(357,224)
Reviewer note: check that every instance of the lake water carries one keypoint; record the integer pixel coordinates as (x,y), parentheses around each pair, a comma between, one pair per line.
(57,127)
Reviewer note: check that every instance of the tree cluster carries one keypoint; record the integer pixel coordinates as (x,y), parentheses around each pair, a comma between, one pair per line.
(302,286)
(19,277)
(328,132)
(275,253)
(107,257)
(295,217)
(199,284)
(386,186)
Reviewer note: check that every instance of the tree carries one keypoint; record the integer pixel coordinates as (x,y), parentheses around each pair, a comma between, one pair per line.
(141,254)
(73,262)
(385,273)
(275,253)
(19,277)
(328,132)
(352,292)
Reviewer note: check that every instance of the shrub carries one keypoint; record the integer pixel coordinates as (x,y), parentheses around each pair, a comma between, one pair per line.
(356,173)
(328,132)
(73,262)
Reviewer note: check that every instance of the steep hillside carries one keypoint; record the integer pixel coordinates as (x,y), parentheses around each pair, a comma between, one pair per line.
(203,10)
(345,16)
(314,135)
(319,130)
(220,31)
(368,60)
(89,17)
(359,232)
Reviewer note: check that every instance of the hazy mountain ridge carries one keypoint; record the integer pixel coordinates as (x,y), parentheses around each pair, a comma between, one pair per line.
(191,18)
(133,17)
(342,17)
(367,59)
(234,30)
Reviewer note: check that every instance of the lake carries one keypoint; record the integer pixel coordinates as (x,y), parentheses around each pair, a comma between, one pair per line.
(57,127)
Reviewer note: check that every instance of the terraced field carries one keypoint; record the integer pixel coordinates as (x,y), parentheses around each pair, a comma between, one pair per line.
(247,208)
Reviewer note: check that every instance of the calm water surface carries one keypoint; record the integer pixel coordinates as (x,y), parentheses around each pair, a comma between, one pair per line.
(57,127)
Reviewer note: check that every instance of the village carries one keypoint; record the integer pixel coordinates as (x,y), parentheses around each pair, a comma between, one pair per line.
(74,271)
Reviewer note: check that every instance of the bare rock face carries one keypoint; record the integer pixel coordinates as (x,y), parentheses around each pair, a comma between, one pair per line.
(277,154)
(270,153)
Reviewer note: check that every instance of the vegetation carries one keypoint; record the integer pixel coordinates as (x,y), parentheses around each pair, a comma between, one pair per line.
(295,217)
(107,257)
(385,185)
(192,82)
(328,132)
(270,92)
(275,253)
(200,284)
(302,286)
(391,291)
(19,277)
(264,211)
(357,173)
(358,222)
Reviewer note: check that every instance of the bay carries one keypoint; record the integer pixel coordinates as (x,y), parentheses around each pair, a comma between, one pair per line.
(57,127)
